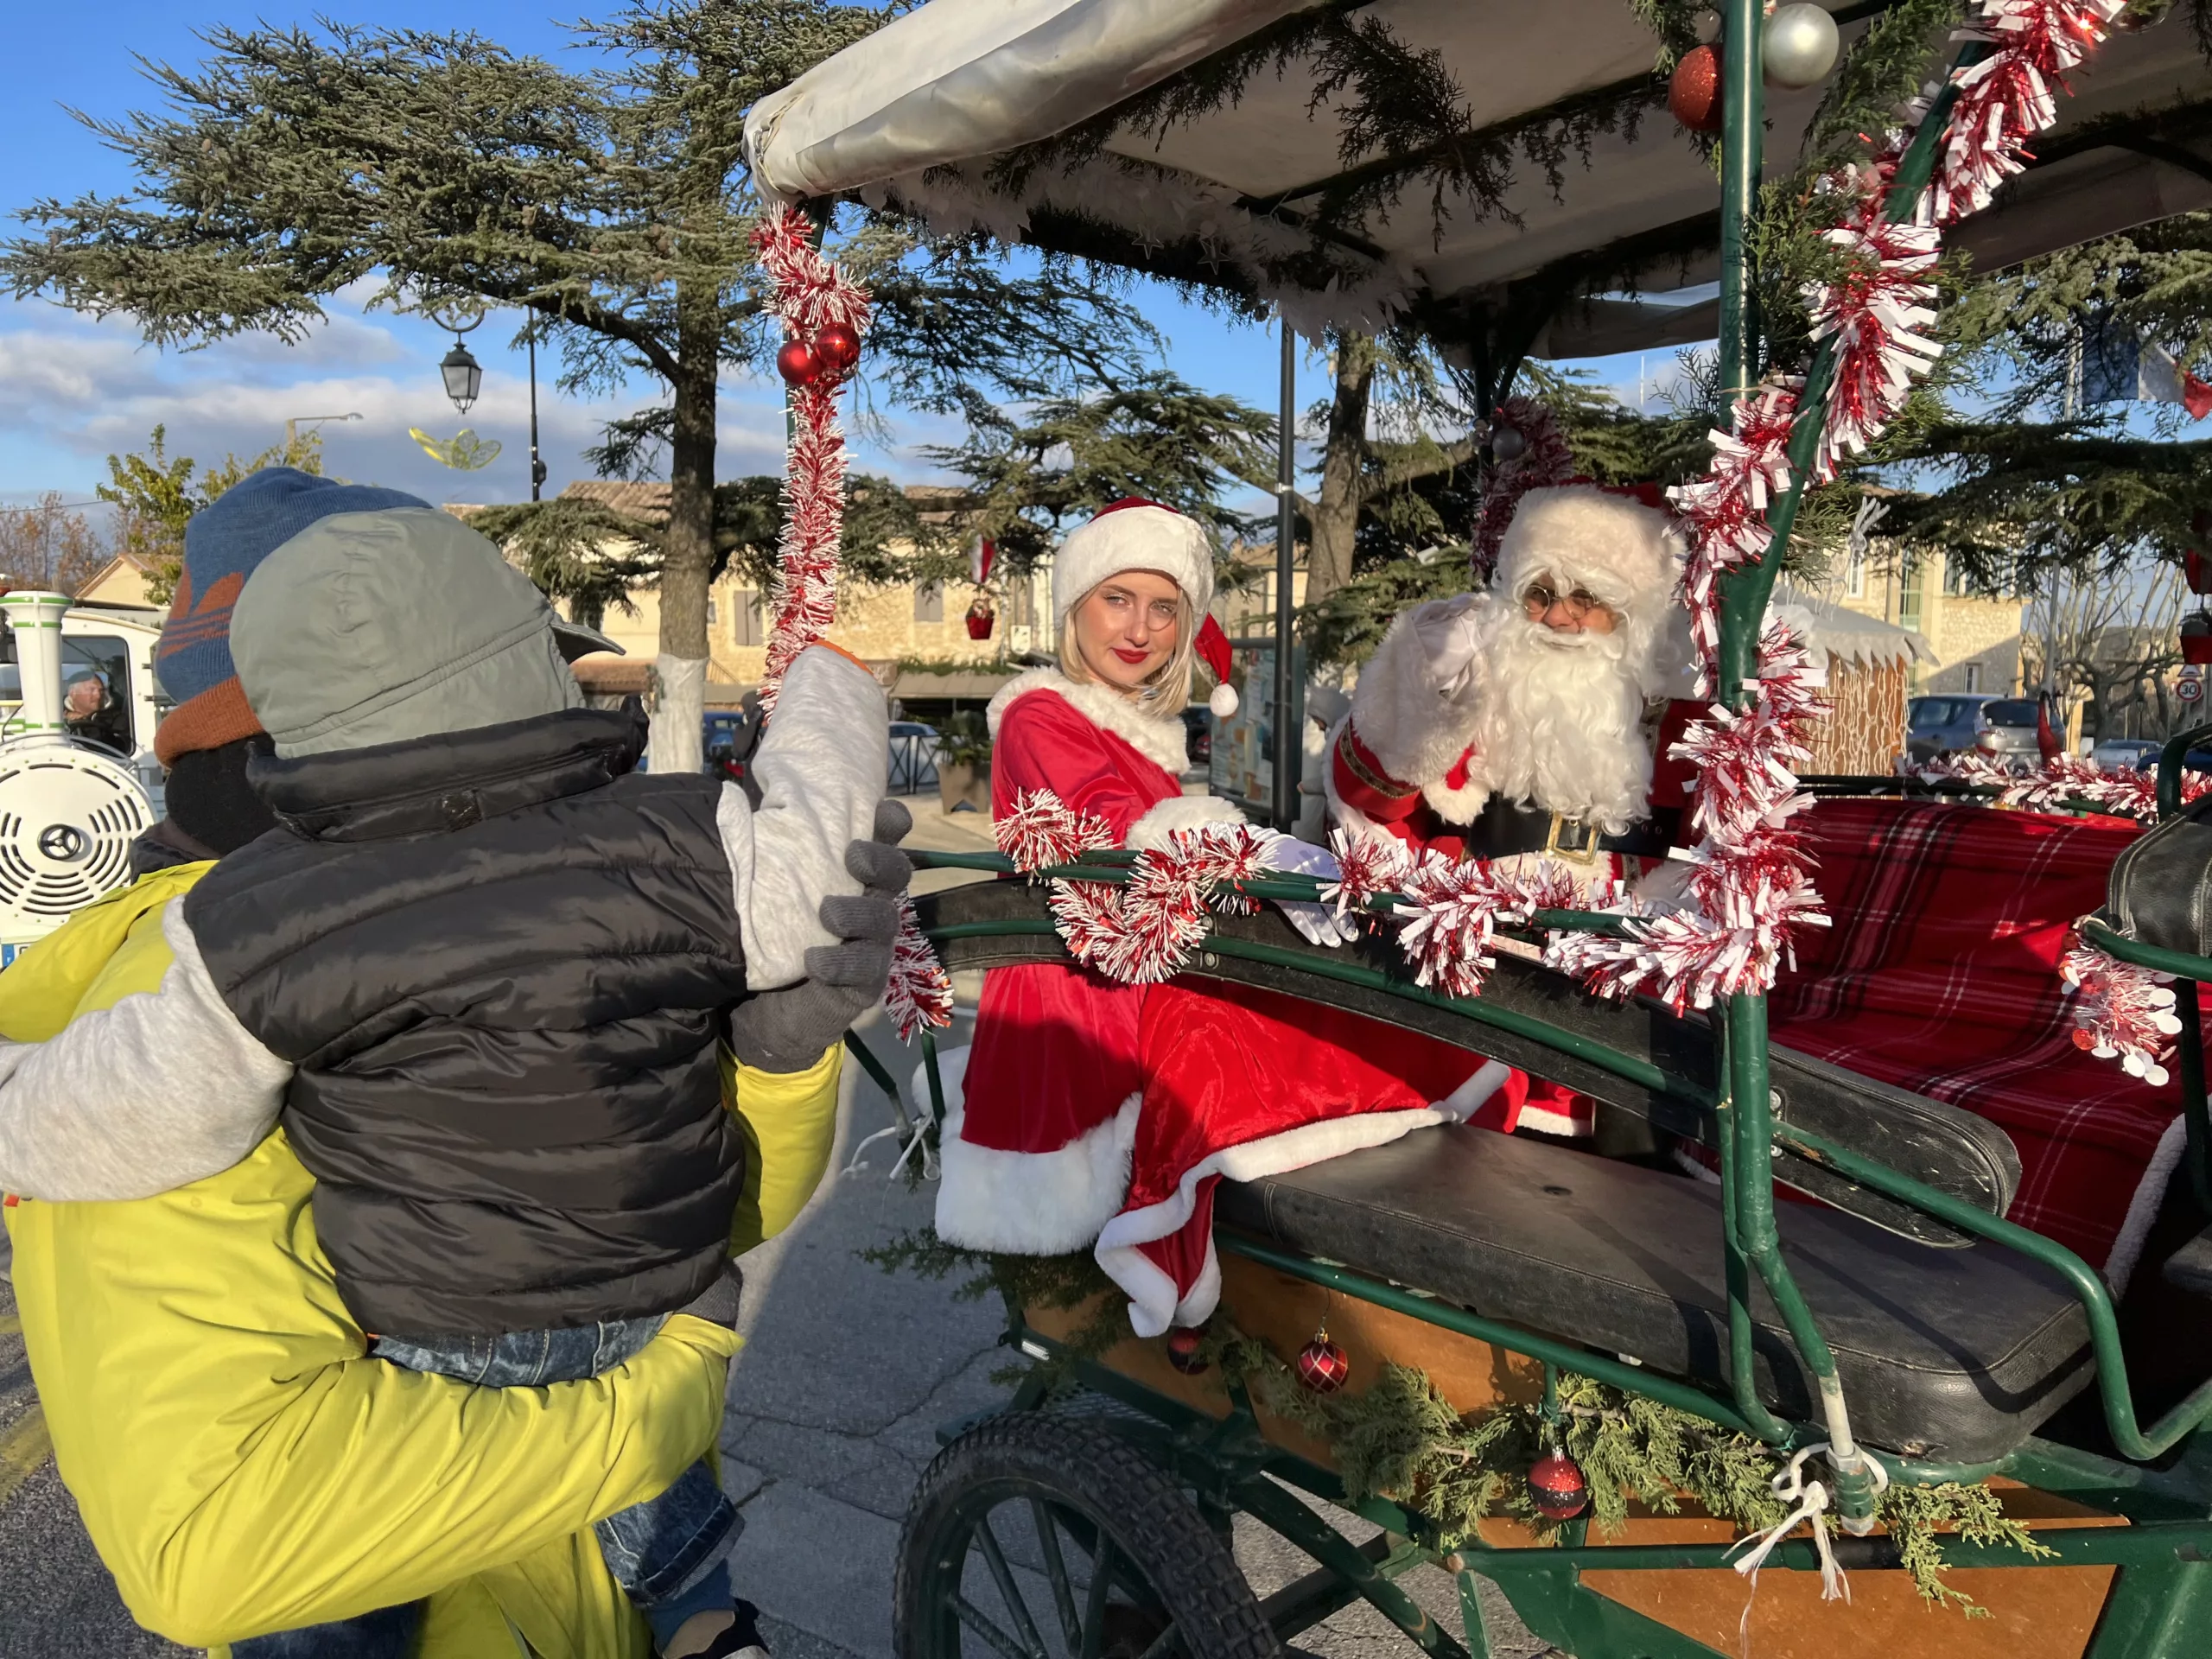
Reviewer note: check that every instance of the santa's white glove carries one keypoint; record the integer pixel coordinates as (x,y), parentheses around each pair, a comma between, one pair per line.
(1448,635)
(1317,923)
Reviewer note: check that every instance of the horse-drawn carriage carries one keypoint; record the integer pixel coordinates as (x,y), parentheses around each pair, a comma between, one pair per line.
(1600,1382)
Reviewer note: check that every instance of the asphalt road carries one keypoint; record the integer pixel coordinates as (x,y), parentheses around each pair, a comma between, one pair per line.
(832,1415)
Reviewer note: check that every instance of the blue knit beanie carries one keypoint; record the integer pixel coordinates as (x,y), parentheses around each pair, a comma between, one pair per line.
(225,543)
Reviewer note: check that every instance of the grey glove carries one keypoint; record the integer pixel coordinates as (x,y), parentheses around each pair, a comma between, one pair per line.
(786,1030)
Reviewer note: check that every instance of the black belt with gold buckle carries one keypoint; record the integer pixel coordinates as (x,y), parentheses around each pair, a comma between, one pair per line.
(1504,830)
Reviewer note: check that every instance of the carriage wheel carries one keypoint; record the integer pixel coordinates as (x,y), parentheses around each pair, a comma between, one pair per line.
(1037,1537)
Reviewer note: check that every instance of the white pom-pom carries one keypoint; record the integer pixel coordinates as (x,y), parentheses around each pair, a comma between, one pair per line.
(1223,700)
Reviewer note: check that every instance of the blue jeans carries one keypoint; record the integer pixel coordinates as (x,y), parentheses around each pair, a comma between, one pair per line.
(655,1550)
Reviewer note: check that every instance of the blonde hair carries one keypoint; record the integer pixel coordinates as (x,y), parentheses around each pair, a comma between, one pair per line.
(1167,691)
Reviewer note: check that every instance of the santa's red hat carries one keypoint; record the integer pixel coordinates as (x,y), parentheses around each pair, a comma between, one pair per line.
(1134,534)
(1213,646)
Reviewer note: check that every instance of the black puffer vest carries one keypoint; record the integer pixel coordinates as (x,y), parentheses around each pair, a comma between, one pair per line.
(500,963)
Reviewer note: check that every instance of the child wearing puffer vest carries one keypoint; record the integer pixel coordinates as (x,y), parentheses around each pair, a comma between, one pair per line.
(480,972)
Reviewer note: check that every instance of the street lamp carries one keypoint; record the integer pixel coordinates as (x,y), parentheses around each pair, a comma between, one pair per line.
(536,465)
(463,375)
(293,425)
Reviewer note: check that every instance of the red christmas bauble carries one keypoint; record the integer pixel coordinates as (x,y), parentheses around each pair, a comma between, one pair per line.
(798,363)
(1556,1486)
(1322,1366)
(1183,1350)
(1694,92)
(838,347)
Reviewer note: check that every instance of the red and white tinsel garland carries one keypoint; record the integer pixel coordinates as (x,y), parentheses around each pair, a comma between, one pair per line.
(1875,317)
(1723,513)
(1041,831)
(1142,930)
(2063,782)
(2011,95)
(920,991)
(2121,1012)
(810,295)
(1751,890)
(1450,912)
(1367,868)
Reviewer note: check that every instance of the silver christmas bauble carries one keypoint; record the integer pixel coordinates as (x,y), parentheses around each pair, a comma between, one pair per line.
(1507,444)
(1799,46)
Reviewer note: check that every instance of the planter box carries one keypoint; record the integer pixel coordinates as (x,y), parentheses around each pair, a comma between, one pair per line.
(960,784)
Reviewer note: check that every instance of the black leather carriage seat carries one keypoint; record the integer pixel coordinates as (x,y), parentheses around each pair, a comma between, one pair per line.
(1955,1355)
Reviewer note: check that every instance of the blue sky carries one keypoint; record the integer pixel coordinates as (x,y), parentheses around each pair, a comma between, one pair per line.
(78,389)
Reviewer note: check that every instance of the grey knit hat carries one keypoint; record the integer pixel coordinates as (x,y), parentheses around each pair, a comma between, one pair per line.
(368,628)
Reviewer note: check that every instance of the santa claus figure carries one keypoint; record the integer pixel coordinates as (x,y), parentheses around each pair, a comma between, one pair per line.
(1092,1113)
(1521,723)
(1515,722)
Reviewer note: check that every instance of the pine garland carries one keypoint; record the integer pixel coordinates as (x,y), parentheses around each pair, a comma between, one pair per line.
(1401,1441)
(1402,117)
(1057,1283)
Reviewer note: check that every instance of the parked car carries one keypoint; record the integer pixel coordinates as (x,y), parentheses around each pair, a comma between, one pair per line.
(2003,726)
(913,757)
(2126,753)
(727,737)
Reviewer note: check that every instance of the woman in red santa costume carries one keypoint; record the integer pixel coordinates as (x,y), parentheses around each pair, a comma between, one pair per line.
(1088,1110)
(1512,724)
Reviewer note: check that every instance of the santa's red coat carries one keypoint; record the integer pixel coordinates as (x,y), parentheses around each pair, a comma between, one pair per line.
(1088,1112)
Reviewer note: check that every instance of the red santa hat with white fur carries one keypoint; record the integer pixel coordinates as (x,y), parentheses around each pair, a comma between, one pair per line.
(1134,534)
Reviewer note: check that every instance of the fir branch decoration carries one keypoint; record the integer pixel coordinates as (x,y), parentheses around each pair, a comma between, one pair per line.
(1402,118)
(1883,67)
(1059,1283)
(1675,23)
(1916,1515)
(1402,1439)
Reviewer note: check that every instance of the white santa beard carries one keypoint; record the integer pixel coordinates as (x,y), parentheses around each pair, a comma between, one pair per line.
(1559,723)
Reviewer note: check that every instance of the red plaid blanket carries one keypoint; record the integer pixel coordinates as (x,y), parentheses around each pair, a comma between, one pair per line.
(1940,976)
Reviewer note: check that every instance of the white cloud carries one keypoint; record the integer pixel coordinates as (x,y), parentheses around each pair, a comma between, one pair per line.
(79,389)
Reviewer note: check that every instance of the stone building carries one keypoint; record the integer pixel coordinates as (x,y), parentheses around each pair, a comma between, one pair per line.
(1974,637)
(916,638)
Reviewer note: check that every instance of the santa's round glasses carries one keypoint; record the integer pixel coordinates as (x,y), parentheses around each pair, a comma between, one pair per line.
(1578,603)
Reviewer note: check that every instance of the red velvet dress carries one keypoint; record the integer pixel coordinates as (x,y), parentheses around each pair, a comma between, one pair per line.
(1091,1110)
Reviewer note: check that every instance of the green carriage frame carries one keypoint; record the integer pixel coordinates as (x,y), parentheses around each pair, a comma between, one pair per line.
(2161,1599)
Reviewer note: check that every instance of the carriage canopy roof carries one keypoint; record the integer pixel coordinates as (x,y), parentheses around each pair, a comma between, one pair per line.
(1352,162)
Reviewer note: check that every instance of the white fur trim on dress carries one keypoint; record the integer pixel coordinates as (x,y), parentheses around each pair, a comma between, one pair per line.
(1462,805)
(1030,1202)
(2143,1209)
(1160,739)
(1414,731)
(1153,1305)
(1179,812)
